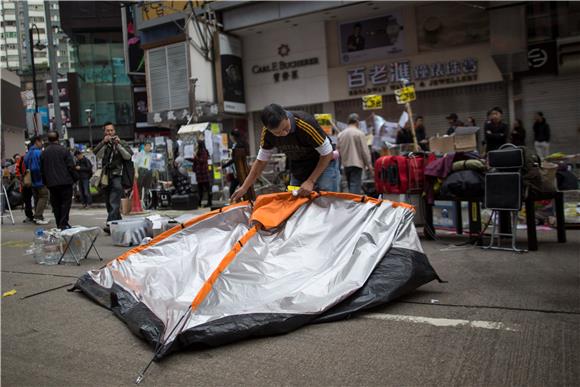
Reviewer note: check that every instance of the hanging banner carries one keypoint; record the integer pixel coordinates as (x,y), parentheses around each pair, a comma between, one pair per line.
(371,102)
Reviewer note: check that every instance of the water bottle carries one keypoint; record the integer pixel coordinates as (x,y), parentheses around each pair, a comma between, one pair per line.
(51,249)
(38,246)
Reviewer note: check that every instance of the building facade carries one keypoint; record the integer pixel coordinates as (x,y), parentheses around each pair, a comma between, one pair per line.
(323,57)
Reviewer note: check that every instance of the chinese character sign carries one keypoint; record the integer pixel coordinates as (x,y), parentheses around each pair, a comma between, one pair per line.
(395,72)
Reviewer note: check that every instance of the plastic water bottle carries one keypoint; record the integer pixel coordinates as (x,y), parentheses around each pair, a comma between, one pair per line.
(51,249)
(38,246)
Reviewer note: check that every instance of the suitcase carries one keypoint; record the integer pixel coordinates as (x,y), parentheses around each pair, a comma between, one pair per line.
(401,174)
(184,202)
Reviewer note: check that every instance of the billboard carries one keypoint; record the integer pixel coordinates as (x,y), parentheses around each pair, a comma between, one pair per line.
(374,38)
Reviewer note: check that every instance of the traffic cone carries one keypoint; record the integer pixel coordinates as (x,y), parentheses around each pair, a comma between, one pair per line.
(135,200)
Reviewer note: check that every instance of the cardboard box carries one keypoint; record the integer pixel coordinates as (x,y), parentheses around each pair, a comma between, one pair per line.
(442,145)
(465,142)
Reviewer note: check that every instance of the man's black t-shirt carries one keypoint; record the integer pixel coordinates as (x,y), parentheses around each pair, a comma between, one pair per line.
(299,145)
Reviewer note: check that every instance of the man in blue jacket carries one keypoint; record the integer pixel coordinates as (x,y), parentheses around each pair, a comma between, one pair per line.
(32,160)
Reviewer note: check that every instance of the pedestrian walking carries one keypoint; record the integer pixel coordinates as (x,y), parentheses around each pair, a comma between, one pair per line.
(84,169)
(307,147)
(114,153)
(32,161)
(59,174)
(354,153)
(541,135)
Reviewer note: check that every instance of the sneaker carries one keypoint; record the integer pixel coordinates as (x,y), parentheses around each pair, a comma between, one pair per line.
(40,221)
(107,230)
(28,220)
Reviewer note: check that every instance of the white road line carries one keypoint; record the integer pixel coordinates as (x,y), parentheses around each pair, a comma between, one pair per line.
(439,322)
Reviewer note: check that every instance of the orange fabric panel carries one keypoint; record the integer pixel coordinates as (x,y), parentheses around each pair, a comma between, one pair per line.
(175,230)
(208,285)
(273,209)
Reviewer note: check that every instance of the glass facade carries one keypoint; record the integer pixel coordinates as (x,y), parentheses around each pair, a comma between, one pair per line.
(104,86)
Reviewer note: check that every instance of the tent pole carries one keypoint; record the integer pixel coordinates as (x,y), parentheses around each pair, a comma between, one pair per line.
(141,374)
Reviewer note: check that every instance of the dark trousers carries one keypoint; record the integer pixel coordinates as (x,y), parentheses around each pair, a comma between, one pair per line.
(85,191)
(204,187)
(61,200)
(113,195)
(27,198)
(354,179)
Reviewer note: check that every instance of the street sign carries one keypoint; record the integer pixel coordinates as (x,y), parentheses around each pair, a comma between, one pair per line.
(371,102)
(405,94)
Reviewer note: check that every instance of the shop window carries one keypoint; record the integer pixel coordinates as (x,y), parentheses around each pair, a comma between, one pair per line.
(168,79)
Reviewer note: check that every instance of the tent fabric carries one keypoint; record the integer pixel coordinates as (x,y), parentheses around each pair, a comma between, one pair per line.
(262,269)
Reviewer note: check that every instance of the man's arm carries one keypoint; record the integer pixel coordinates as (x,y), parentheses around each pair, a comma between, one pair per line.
(125,151)
(255,172)
(366,154)
(98,148)
(308,186)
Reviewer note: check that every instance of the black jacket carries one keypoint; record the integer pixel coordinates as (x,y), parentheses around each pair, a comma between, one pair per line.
(541,131)
(86,170)
(58,166)
(498,135)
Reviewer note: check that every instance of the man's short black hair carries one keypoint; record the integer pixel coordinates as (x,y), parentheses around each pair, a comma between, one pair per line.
(418,118)
(78,152)
(358,25)
(52,136)
(34,139)
(540,114)
(272,115)
(107,124)
(496,109)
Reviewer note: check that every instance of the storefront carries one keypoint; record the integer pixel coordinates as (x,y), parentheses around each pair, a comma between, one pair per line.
(286,66)
(465,81)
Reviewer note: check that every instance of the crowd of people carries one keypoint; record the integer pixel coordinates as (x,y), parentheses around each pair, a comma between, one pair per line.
(48,170)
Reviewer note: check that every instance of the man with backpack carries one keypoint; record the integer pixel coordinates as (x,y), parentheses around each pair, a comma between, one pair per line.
(116,156)
(32,161)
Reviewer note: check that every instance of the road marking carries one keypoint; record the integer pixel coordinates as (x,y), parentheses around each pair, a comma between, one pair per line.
(440,322)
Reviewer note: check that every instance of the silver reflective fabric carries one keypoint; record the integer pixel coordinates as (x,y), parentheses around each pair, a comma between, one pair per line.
(319,256)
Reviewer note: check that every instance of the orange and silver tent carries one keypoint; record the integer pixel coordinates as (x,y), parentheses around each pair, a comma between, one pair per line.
(264,268)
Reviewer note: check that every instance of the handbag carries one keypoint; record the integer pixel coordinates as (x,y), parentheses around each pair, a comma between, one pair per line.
(104,181)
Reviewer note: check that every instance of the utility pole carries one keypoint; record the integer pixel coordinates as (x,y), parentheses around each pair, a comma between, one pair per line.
(53,70)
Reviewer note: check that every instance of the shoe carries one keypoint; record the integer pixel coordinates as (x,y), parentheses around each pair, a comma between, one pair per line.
(107,230)
(85,205)
(28,220)
(40,221)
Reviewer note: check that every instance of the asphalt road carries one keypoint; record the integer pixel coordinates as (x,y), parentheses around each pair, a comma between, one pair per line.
(502,319)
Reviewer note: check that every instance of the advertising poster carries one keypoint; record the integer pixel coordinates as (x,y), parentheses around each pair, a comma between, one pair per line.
(369,39)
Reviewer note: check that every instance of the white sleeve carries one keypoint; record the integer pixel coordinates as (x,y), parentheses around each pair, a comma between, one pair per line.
(325,148)
(265,154)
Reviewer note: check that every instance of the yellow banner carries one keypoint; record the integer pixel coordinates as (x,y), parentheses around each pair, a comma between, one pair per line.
(325,122)
(405,94)
(371,102)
